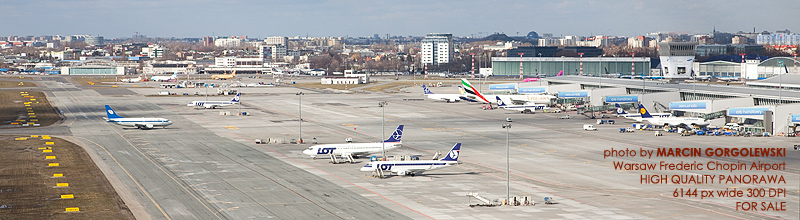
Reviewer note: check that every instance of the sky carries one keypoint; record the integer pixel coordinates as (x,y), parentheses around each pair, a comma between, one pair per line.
(320,18)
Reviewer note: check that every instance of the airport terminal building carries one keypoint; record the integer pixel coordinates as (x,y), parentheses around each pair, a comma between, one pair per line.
(551,66)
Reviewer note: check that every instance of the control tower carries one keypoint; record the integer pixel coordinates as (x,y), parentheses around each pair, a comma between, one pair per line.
(677,59)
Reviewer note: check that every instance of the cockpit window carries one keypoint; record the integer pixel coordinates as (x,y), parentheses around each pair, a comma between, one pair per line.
(310,148)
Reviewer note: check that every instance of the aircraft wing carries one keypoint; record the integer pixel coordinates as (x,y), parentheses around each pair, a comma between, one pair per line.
(410,171)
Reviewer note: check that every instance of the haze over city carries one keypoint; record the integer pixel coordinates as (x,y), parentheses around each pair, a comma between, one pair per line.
(181,18)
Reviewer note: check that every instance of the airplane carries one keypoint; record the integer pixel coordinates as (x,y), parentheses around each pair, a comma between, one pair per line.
(140,123)
(174,76)
(215,104)
(132,80)
(473,93)
(413,167)
(672,121)
(357,149)
(520,108)
(638,117)
(445,97)
(224,76)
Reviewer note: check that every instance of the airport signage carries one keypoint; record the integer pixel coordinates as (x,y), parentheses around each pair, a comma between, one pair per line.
(795,117)
(687,105)
(626,98)
(747,111)
(502,86)
(532,90)
(574,94)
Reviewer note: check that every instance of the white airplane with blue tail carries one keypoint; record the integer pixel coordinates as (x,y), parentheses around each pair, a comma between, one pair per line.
(140,123)
(357,149)
(215,104)
(413,167)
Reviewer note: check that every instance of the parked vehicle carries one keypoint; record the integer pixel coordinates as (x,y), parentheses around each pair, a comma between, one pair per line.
(564,117)
(588,127)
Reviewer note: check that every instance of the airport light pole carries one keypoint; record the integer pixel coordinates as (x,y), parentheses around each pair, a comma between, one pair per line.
(520,65)
(300,109)
(600,70)
(507,126)
(581,61)
(540,68)
(383,104)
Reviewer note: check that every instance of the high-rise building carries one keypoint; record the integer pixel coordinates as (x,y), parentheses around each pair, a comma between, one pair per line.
(228,42)
(276,40)
(95,41)
(278,51)
(437,48)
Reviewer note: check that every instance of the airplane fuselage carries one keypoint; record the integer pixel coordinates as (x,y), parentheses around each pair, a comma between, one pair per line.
(211,104)
(531,99)
(445,97)
(676,121)
(355,149)
(407,167)
(142,123)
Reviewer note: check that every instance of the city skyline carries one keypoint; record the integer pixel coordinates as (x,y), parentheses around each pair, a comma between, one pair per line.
(316,18)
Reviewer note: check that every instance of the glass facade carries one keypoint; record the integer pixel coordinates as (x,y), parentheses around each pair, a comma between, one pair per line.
(571,65)
(93,71)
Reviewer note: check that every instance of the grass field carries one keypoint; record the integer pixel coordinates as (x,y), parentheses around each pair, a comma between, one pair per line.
(25,108)
(29,187)
(14,84)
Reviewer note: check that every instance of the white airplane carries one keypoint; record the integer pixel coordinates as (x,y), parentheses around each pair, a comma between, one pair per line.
(471,92)
(520,108)
(174,76)
(672,121)
(638,117)
(132,80)
(140,123)
(357,149)
(445,97)
(215,104)
(413,167)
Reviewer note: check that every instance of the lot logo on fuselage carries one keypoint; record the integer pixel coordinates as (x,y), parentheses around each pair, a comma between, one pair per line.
(385,166)
(326,150)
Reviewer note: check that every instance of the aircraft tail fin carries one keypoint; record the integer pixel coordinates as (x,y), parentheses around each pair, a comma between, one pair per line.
(620,111)
(426,90)
(453,154)
(236,98)
(469,86)
(110,113)
(560,73)
(644,112)
(500,102)
(397,135)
